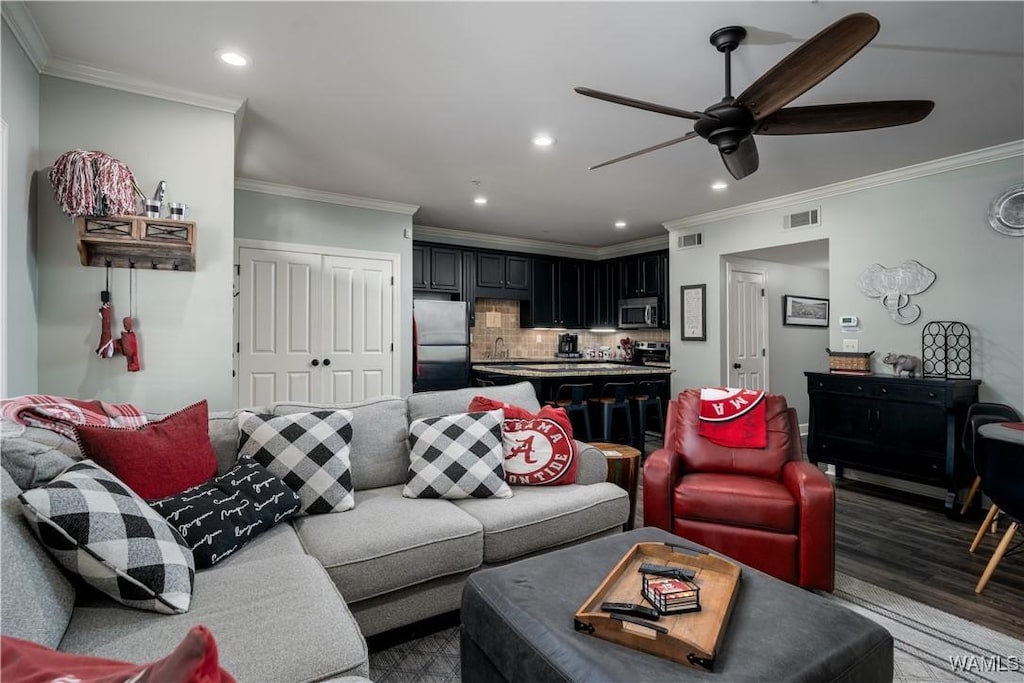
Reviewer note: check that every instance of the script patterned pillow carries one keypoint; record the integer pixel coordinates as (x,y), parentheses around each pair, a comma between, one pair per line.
(220,516)
(539,449)
(309,451)
(457,456)
(98,528)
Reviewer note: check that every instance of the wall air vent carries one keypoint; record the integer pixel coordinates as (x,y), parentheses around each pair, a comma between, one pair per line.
(691,241)
(803,219)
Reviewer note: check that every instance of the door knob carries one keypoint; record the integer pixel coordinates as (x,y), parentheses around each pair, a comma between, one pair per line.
(736,366)
(315,362)
(327,361)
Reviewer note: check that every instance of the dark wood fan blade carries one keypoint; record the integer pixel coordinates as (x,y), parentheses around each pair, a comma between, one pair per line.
(840,118)
(808,65)
(645,150)
(744,160)
(638,104)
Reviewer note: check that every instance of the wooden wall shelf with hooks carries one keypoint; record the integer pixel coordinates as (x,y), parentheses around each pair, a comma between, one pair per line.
(137,242)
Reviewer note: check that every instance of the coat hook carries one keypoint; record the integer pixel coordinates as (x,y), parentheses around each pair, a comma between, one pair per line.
(153,263)
(131,263)
(107,263)
(174,265)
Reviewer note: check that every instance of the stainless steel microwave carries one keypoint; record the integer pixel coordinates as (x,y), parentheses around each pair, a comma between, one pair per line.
(635,314)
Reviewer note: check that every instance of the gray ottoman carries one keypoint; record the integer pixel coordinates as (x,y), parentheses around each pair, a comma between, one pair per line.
(517,625)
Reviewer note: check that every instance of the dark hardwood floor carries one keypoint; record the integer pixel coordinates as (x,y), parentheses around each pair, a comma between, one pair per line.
(906,544)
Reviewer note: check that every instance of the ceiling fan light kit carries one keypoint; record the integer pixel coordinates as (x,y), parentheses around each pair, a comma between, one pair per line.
(759,110)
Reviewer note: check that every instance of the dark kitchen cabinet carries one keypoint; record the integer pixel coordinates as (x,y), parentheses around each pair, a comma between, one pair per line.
(469,284)
(640,276)
(601,294)
(502,276)
(894,426)
(556,298)
(664,294)
(436,269)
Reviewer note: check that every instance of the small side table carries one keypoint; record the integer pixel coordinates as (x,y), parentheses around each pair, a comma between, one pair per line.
(623,470)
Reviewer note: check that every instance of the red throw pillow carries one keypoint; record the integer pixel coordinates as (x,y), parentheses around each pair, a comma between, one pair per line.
(193,661)
(539,449)
(158,459)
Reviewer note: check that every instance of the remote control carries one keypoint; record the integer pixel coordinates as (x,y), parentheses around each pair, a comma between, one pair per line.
(631,609)
(672,572)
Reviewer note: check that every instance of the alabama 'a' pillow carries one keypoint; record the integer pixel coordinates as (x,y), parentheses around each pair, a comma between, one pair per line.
(539,449)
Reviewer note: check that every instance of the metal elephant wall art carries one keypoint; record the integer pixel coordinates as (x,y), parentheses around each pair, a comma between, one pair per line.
(893,288)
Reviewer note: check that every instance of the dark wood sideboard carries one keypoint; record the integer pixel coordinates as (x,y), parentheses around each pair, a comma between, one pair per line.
(894,426)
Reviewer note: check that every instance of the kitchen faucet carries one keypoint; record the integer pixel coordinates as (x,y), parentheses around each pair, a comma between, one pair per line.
(504,353)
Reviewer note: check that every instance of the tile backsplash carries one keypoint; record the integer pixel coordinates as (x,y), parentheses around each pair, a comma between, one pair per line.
(522,342)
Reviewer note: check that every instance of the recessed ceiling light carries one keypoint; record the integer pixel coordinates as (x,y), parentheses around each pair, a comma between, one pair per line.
(232,57)
(480,201)
(543,140)
(620,224)
(718,185)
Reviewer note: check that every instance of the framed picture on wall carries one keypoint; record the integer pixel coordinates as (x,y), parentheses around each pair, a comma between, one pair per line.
(804,311)
(693,300)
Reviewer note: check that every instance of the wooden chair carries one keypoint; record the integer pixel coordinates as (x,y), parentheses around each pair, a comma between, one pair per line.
(1002,480)
(573,397)
(980,414)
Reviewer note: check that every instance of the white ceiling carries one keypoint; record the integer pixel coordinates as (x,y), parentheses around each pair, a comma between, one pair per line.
(410,102)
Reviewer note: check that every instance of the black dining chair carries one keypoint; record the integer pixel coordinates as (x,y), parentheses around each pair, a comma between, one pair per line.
(573,398)
(1002,480)
(648,404)
(612,399)
(979,414)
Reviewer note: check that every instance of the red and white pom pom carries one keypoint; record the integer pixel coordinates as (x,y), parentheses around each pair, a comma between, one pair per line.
(93,183)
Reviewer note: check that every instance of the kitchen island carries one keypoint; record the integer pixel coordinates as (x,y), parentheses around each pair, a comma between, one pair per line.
(546,377)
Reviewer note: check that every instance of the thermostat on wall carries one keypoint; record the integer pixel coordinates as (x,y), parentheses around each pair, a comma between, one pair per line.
(849,321)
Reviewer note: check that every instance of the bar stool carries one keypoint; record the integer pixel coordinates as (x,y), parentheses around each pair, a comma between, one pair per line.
(648,397)
(573,397)
(614,397)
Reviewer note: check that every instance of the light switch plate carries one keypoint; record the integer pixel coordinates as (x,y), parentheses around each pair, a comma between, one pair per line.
(850,345)
(492,319)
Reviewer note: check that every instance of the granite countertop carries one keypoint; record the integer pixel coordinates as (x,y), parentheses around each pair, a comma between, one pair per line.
(541,370)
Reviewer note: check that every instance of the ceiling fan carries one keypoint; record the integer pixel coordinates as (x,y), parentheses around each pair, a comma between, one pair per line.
(759,110)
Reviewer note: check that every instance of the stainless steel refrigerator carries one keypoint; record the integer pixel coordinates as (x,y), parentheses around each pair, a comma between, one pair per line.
(442,345)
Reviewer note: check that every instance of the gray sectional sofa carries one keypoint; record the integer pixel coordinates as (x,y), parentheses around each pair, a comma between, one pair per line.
(297,602)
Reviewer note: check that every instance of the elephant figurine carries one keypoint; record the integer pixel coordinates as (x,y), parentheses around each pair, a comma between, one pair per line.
(903,363)
(893,287)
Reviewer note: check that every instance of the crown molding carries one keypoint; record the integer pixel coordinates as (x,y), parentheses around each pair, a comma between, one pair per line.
(982,156)
(24,28)
(263,187)
(59,67)
(522,244)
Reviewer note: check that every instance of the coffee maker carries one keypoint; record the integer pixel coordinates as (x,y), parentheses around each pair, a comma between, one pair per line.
(568,346)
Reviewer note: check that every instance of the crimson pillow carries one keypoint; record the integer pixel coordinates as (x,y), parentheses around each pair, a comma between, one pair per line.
(194,660)
(158,459)
(539,449)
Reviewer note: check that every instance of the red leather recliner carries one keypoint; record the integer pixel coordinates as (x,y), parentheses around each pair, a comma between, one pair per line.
(769,508)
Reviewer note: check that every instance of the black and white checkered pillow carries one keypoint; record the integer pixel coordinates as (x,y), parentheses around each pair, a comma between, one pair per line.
(99,529)
(309,451)
(457,456)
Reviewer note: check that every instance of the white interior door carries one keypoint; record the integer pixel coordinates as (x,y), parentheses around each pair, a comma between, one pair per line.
(358,314)
(747,335)
(279,337)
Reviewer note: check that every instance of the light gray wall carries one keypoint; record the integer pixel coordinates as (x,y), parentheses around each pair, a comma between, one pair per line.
(938,220)
(261,216)
(20,110)
(183,318)
(791,350)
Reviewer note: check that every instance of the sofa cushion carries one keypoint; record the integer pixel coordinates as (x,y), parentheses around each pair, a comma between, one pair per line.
(380,433)
(97,528)
(721,498)
(37,597)
(541,517)
(157,459)
(33,456)
(279,619)
(193,660)
(435,403)
(223,432)
(389,542)
(280,541)
(220,516)
(309,451)
(457,456)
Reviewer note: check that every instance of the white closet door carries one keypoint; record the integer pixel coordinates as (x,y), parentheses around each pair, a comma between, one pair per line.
(358,314)
(748,346)
(279,327)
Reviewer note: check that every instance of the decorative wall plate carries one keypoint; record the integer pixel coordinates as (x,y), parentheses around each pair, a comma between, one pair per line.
(1006,212)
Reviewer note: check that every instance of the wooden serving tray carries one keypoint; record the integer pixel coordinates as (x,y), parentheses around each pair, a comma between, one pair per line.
(691,638)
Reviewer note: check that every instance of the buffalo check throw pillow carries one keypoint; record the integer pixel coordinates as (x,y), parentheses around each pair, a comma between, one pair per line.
(309,451)
(457,456)
(97,528)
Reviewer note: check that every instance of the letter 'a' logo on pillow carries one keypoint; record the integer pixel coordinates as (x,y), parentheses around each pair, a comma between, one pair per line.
(539,449)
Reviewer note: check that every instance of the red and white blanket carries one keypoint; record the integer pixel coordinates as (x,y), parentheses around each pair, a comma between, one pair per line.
(734,418)
(60,414)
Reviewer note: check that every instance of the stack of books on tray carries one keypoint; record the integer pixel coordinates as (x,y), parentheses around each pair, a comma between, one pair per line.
(671,596)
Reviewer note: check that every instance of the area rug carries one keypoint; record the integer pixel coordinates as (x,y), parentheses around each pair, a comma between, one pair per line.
(930,645)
